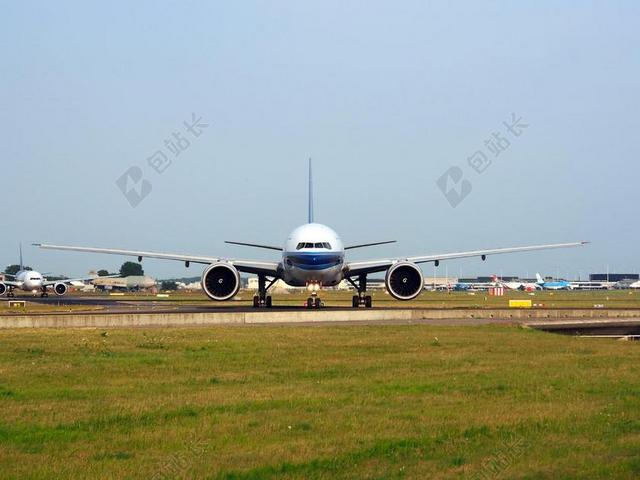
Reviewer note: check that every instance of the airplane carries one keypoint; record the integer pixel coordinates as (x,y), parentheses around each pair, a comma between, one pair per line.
(313,256)
(132,282)
(557,285)
(523,286)
(32,281)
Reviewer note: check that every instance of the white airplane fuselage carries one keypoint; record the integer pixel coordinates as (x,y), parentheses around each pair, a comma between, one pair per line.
(313,255)
(29,280)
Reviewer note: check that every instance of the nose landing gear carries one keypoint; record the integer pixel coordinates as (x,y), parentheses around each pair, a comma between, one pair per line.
(314,301)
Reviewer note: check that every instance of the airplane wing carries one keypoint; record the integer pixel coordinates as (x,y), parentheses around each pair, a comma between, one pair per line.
(247,266)
(12,284)
(48,283)
(372,266)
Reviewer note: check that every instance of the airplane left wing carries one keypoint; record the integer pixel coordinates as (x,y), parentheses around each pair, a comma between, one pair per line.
(247,266)
(373,266)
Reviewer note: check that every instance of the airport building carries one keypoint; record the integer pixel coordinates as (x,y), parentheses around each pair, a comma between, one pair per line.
(613,277)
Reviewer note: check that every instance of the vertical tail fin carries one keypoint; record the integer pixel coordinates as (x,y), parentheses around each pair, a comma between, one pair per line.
(310,217)
(539,278)
(21,263)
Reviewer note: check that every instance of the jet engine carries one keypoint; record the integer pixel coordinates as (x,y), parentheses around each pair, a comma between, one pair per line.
(404,281)
(3,289)
(221,281)
(60,289)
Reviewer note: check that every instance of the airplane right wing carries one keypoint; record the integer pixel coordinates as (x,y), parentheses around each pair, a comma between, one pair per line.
(372,266)
(247,266)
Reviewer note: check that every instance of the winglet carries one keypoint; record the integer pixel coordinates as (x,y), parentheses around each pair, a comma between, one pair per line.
(310,217)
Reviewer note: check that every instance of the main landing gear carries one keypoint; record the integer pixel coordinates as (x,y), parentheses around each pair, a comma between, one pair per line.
(262,300)
(361,299)
(10,293)
(44,293)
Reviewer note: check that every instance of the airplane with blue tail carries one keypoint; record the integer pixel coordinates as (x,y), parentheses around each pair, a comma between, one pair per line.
(555,285)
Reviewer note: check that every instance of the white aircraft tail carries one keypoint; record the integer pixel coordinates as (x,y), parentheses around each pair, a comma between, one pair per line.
(539,278)
(310,213)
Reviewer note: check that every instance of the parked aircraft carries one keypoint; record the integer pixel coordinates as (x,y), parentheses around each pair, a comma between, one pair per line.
(313,256)
(523,286)
(132,282)
(556,285)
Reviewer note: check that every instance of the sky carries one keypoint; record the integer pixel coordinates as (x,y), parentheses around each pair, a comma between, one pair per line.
(386,97)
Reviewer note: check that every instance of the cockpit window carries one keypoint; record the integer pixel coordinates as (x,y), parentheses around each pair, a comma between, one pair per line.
(302,245)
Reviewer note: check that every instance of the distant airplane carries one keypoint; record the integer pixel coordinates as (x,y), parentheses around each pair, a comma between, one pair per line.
(313,256)
(32,281)
(523,286)
(132,282)
(635,285)
(471,286)
(557,285)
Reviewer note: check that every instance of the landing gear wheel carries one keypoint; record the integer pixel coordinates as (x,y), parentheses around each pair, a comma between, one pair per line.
(268,302)
(355,301)
(309,302)
(318,303)
(367,301)
(44,295)
(256,301)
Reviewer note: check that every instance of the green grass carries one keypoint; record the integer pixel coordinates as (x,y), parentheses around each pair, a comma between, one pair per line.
(317,402)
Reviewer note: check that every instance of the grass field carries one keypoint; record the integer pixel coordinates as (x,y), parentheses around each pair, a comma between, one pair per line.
(317,402)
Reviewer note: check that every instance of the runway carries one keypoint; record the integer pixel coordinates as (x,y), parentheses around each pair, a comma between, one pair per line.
(104,312)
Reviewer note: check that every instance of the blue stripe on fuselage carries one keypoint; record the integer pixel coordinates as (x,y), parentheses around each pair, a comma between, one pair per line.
(314,261)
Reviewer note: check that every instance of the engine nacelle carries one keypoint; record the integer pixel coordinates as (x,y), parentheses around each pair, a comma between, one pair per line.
(3,289)
(60,289)
(221,281)
(404,281)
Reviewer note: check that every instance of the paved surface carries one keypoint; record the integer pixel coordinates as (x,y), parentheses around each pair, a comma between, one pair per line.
(120,312)
(115,312)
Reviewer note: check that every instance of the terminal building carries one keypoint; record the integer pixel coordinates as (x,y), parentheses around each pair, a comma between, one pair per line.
(613,277)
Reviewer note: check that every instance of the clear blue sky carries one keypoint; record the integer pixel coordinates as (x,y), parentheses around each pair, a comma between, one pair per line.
(385,96)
